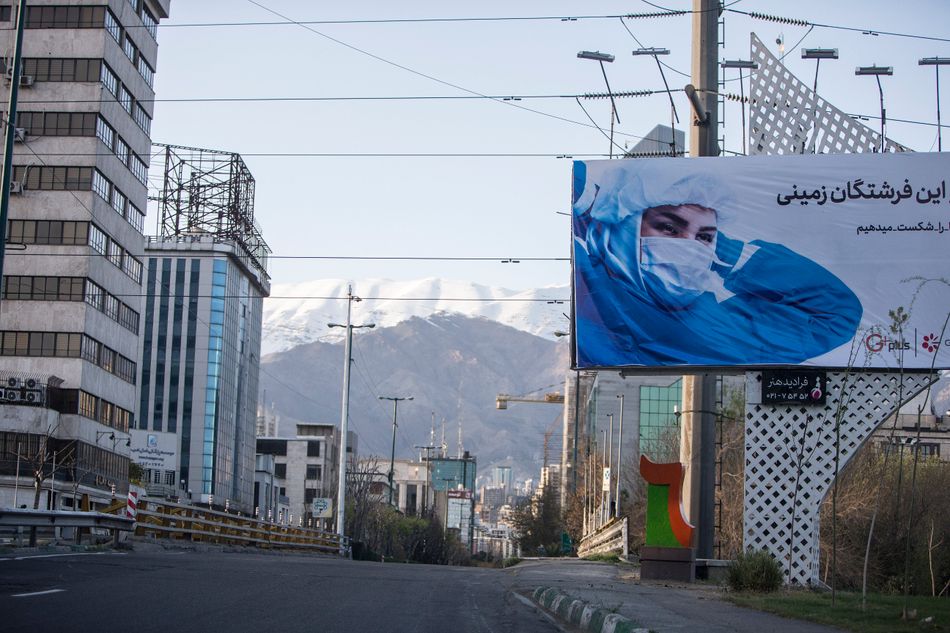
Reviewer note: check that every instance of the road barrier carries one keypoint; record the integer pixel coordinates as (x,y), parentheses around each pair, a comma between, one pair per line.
(48,523)
(194,523)
(611,538)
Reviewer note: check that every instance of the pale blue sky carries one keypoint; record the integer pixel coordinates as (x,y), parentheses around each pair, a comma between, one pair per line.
(455,206)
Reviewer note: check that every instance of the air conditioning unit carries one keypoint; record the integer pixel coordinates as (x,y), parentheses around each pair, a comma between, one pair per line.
(20,135)
(16,187)
(31,383)
(14,383)
(11,395)
(26,81)
(33,395)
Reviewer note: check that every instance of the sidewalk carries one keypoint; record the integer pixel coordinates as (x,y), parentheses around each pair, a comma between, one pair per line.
(658,606)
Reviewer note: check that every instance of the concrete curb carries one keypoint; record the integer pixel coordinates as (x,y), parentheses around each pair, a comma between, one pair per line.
(582,614)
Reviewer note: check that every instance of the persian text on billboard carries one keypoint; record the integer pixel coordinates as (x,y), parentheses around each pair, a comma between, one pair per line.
(827,261)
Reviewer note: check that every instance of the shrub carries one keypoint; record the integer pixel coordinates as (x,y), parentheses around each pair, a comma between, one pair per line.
(754,571)
(510,562)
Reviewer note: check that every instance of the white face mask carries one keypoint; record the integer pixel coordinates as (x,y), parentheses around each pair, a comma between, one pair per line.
(676,271)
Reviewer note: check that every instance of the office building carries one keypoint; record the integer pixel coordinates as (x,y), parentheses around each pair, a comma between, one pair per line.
(306,468)
(205,282)
(70,307)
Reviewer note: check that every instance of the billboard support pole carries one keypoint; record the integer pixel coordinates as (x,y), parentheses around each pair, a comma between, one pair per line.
(697,441)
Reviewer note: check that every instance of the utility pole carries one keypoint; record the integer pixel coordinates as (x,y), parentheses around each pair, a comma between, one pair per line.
(392,456)
(344,415)
(10,128)
(619,457)
(698,430)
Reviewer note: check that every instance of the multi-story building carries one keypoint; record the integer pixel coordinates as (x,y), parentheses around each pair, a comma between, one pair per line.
(72,280)
(205,282)
(411,493)
(306,468)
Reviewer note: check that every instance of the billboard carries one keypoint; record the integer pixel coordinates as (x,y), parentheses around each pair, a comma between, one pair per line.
(838,260)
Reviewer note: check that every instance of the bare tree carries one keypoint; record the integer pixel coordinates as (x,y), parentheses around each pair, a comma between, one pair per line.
(41,462)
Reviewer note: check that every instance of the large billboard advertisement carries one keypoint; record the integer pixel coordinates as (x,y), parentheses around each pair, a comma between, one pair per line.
(817,260)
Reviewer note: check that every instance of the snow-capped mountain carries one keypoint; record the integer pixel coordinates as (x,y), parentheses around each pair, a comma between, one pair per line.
(298,313)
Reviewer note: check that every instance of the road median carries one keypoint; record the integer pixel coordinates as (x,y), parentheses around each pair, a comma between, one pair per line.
(582,614)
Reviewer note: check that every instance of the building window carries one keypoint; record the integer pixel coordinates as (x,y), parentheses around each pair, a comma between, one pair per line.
(130,49)
(27,288)
(314,471)
(136,218)
(113,27)
(105,132)
(57,123)
(150,22)
(109,80)
(61,69)
(95,295)
(122,151)
(58,232)
(142,119)
(49,178)
(313,448)
(125,99)
(66,17)
(280,471)
(56,344)
(97,239)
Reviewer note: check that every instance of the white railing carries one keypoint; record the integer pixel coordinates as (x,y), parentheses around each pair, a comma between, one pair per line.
(611,538)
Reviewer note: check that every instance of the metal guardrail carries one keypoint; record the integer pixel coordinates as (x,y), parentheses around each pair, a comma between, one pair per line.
(194,523)
(62,518)
(612,538)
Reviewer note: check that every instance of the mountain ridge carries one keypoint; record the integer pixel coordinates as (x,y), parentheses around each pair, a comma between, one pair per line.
(299,313)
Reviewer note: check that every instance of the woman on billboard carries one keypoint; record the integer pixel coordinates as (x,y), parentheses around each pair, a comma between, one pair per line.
(658,283)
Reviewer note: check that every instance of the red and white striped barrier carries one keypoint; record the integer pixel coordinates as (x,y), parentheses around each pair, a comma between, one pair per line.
(131,507)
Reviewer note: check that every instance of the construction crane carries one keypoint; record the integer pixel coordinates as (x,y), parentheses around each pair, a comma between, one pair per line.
(502,399)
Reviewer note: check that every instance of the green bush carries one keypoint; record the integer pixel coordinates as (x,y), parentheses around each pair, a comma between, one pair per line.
(754,571)
(510,562)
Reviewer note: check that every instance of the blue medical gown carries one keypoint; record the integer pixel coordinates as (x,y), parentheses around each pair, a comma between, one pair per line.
(784,309)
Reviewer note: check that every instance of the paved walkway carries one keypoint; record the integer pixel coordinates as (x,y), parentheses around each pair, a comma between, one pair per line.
(661,607)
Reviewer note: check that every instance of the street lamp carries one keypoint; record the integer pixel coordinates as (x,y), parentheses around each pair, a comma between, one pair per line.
(341,492)
(619,457)
(610,461)
(936,62)
(876,72)
(819,54)
(392,457)
(600,58)
(741,64)
(655,53)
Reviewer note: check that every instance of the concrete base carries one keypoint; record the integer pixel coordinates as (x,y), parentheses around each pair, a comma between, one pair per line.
(668,563)
(711,569)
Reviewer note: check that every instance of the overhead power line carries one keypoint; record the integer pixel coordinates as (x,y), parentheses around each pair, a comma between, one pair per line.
(837,27)
(469,97)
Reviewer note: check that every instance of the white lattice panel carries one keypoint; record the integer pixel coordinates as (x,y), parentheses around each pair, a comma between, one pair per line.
(773,441)
(787,117)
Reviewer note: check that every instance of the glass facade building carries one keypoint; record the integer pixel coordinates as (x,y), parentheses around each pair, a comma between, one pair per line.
(201,358)
(659,426)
